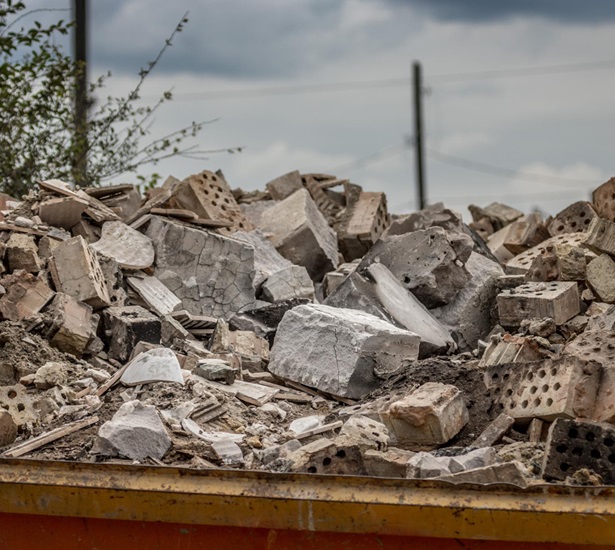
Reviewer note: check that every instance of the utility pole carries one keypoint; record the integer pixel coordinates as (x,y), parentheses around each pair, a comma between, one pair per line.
(80,140)
(417,97)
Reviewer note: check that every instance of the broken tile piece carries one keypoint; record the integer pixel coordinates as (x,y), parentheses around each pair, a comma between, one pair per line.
(128,247)
(155,365)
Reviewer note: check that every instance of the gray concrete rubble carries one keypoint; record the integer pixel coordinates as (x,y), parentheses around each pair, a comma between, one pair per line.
(433,272)
(348,351)
(305,328)
(211,274)
(301,234)
(287,284)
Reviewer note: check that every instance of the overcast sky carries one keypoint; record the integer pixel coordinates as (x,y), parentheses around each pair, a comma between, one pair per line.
(266,68)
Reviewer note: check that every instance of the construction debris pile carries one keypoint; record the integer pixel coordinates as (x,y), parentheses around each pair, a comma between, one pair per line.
(303,329)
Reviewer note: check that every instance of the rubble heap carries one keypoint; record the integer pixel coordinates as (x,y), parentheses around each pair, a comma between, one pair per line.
(304,329)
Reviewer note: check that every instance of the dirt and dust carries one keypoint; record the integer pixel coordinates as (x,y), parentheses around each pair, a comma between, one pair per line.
(464,374)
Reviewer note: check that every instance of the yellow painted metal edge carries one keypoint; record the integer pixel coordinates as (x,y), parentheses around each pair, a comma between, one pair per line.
(308,502)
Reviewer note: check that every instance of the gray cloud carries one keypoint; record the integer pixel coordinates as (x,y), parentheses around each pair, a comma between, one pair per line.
(474,11)
(261,39)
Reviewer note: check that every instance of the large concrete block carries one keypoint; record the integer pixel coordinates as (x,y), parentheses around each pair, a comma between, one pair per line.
(284,186)
(127,246)
(340,351)
(22,253)
(469,316)
(301,234)
(425,262)
(211,274)
(385,297)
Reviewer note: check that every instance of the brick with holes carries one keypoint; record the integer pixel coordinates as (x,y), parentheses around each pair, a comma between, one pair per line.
(210,197)
(599,346)
(521,263)
(601,236)
(573,445)
(572,219)
(564,387)
(603,199)
(536,300)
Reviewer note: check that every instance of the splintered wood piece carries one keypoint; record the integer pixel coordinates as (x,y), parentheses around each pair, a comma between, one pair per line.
(157,200)
(180,213)
(41,440)
(211,223)
(109,190)
(112,381)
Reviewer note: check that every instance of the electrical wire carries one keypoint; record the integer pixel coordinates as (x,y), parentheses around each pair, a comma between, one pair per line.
(359,85)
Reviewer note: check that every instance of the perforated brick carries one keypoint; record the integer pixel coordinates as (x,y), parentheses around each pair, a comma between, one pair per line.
(573,219)
(522,262)
(601,236)
(599,346)
(573,445)
(565,387)
(210,197)
(368,221)
(604,200)
(534,300)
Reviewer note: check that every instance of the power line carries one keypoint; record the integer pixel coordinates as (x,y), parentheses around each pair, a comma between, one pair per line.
(500,171)
(372,158)
(360,85)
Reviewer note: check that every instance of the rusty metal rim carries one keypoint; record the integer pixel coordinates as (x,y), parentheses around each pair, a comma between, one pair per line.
(308,502)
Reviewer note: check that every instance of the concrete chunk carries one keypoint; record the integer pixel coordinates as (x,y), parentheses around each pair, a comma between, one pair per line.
(600,273)
(135,431)
(509,473)
(385,297)
(267,260)
(287,284)
(430,416)
(71,324)
(558,300)
(284,186)
(128,325)
(211,274)
(76,271)
(128,247)
(469,316)
(424,262)
(301,234)
(339,351)
(25,296)
(22,253)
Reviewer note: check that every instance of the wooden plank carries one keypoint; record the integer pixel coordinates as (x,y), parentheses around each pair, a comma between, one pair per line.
(48,437)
